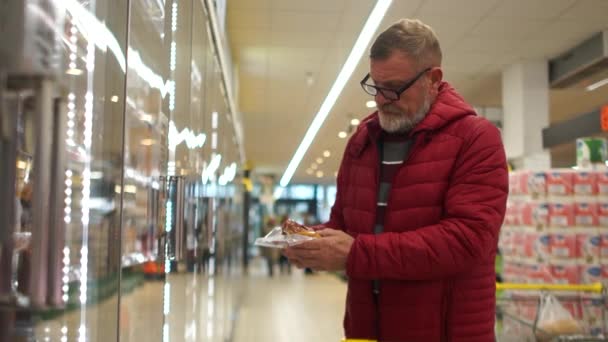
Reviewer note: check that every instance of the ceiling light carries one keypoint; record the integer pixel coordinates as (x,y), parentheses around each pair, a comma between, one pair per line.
(114,99)
(326,154)
(131,189)
(370,104)
(313,166)
(355,122)
(319,160)
(147,142)
(319,174)
(278,192)
(342,134)
(370,27)
(96,175)
(309,171)
(597,84)
(74,72)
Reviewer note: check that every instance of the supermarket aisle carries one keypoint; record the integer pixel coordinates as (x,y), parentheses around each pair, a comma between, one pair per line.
(295,308)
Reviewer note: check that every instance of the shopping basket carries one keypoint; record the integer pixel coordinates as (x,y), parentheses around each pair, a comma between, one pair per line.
(517,311)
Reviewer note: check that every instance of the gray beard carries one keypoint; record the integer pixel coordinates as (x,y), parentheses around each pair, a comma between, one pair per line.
(399,123)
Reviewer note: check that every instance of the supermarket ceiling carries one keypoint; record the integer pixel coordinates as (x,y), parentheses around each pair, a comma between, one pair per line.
(287,53)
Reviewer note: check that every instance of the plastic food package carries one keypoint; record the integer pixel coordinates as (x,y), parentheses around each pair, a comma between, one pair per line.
(554,320)
(276,239)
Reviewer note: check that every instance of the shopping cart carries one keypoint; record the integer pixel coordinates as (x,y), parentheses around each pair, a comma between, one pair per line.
(518,305)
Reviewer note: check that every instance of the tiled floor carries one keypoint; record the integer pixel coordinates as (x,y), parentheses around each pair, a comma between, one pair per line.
(294,308)
(191,308)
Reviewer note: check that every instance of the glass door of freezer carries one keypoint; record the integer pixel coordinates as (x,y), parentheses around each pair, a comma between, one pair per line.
(62,77)
(118,218)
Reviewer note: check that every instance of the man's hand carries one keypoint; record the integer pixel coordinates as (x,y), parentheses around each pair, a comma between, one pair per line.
(328,253)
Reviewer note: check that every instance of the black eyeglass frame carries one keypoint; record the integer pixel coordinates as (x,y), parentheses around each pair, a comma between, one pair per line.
(384,91)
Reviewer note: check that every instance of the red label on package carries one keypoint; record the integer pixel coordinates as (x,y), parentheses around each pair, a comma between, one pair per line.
(602,183)
(561,215)
(514,185)
(603,243)
(586,214)
(564,243)
(589,242)
(560,182)
(585,183)
(517,242)
(565,272)
(591,273)
(540,273)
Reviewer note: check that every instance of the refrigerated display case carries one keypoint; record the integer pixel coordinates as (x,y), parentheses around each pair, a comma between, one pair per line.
(108,114)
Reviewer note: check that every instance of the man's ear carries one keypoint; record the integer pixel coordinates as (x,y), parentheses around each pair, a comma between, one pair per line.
(436,78)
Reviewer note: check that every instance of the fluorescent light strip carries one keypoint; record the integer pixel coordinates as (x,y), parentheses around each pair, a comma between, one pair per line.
(597,84)
(374,20)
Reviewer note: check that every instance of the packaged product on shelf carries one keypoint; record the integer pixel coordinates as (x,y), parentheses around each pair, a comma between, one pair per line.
(519,183)
(505,243)
(517,241)
(507,270)
(564,244)
(542,245)
(525,212)
(605,275)
(585,184)
(565,271)
(592,312)
(528,306)
(590,152)
(534,214)
(602,184)
(574,306)
(535,243)
(511,213)
(586,214)
(561,215)
(602,213)
(529,237)
(590,273)
(539,273)
(537,184)
(514,184)
(559,183)
(589,243)
(517,273)
(603,244)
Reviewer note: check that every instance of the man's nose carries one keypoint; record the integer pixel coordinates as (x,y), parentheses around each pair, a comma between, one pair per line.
(380,100)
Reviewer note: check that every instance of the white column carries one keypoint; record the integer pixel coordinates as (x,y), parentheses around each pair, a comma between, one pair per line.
(525,100)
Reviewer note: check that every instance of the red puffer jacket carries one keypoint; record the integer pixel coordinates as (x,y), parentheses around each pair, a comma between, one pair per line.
(435,259)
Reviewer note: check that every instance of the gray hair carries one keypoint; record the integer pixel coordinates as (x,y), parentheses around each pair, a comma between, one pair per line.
(411,37)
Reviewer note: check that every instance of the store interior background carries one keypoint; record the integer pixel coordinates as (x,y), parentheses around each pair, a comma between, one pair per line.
(176,83)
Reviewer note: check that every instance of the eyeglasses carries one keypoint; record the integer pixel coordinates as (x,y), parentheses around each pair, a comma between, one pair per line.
(389,94)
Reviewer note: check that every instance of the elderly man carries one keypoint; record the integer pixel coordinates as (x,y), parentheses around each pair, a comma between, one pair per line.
(422,191)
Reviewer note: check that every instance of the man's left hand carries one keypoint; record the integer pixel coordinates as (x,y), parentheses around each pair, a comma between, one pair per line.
(328,253)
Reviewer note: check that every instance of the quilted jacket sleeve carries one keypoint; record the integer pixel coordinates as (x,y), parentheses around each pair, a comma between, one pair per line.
(468,233)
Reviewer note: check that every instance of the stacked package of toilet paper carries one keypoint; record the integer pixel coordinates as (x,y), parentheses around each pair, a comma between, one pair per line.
(556,232)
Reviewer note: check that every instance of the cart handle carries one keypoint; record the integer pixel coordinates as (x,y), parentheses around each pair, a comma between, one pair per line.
(594,287)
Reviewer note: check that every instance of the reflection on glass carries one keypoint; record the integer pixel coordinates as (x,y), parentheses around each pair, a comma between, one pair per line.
(139,184)
(68,146)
